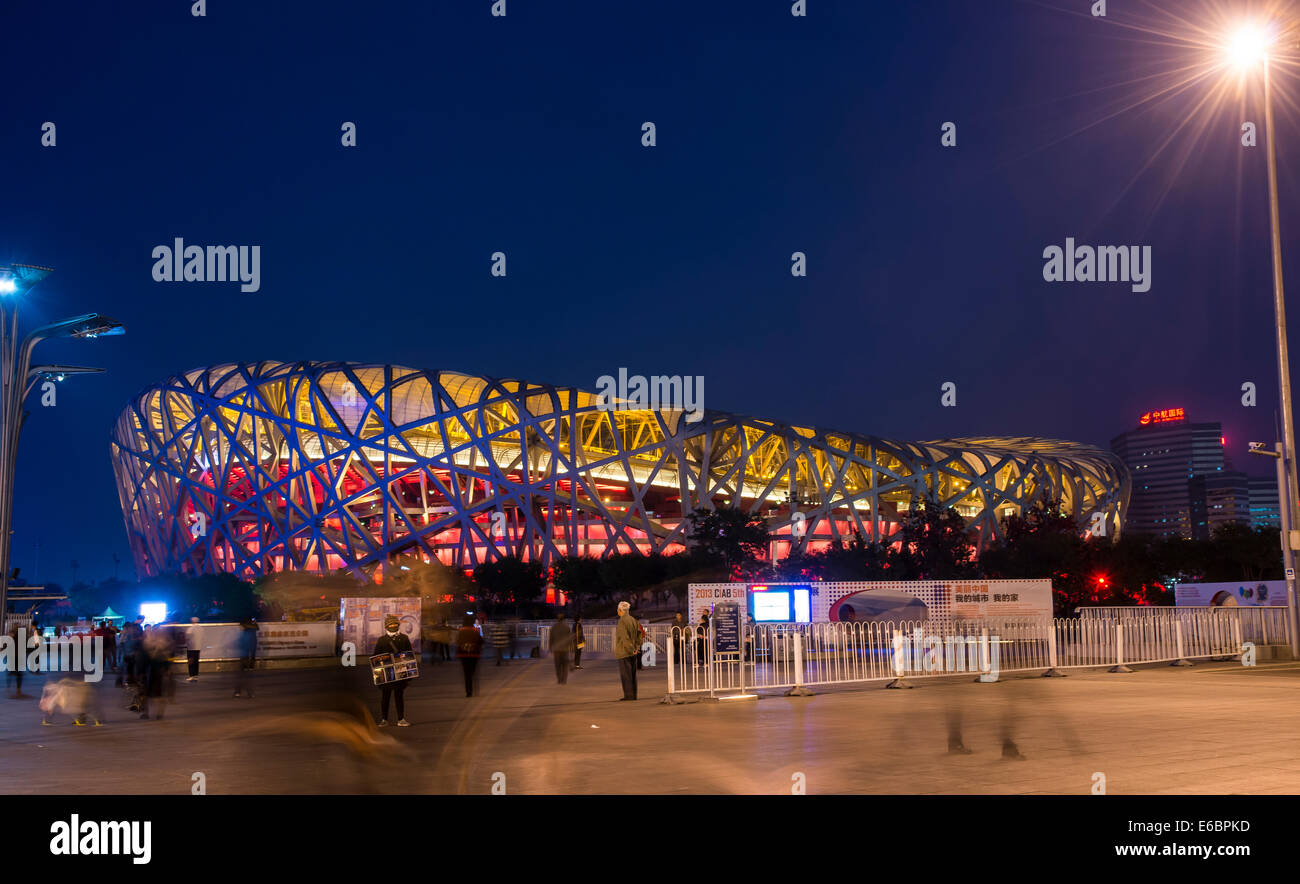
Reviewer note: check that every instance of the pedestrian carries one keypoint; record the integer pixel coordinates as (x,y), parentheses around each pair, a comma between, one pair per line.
(469,645)
(579,642)
(512,633)
(679,631)
(132,636)
(561,642)
(74,696)
(701,639)
(393,641)
(247,657)
(640,664)
(193,647)
(156,652)
(500,639)
(627,648)
(15,675)
(110,645)
(447,639)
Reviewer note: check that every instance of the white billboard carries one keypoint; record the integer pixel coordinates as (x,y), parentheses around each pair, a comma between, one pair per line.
(281,638)
(896,599)
(1250,593)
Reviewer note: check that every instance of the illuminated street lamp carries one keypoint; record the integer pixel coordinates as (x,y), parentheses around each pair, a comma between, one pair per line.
(18,378)
(1247,49)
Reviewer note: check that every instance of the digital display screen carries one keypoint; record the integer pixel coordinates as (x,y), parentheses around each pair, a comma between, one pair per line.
(771,606)
(780,604)
(802,606)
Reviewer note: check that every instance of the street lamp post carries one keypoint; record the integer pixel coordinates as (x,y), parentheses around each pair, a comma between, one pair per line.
(1283,360)
(18,378)
(1247,47)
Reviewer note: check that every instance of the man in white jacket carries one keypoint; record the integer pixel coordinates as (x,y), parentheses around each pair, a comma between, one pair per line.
(193,646)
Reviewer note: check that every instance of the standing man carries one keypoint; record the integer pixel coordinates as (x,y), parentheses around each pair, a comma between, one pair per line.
(627,648)
(561,641)
(393,641)
(193,646)
(469,645)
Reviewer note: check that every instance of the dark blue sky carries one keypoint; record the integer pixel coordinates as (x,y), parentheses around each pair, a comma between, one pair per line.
(523,134)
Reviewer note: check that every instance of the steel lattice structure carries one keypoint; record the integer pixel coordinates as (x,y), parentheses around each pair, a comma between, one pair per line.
(325,466)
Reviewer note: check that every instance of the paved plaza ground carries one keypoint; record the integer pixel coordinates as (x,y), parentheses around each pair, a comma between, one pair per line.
(1213,728)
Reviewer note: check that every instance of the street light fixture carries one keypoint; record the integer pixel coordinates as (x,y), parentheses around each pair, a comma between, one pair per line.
(1248,45)
(18,378)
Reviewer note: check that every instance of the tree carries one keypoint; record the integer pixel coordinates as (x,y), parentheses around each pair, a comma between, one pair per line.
(1039,542)
(625,572)
(856,560)
(510,580)
(728,537)
(1241,552)
(579,578)
(934,543)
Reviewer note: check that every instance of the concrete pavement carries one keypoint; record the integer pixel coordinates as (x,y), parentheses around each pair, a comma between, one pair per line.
(1212,728)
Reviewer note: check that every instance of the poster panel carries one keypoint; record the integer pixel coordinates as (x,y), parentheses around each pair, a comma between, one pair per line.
(1250,593)
(363,621)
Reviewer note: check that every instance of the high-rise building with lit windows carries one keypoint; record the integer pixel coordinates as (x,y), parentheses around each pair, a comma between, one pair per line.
(1265,510)
(1164,454)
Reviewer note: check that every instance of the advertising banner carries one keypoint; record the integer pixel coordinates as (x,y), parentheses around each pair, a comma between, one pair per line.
(363,621)
(974,600)
(296,639)
(896,600)
(1252,593)
(220,641)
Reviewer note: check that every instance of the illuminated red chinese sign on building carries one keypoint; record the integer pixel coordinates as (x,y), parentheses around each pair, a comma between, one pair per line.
(1162,417)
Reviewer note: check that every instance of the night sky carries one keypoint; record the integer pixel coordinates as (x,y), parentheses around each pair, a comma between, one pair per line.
(523,134)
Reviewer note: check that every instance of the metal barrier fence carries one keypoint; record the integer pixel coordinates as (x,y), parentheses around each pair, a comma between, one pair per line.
(791,657)
(1262,624)
(599,638)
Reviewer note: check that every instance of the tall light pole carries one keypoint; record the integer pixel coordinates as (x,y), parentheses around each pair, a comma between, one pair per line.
(18,378)
(1249,47)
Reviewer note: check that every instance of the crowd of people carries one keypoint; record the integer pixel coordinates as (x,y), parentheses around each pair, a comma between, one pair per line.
(141,658)
(480,636)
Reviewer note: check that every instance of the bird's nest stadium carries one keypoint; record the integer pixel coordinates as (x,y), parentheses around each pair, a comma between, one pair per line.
(317,467)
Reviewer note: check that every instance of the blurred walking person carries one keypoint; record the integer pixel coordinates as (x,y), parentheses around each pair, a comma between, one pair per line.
(500,639)
(110,646)
(72,696)
(561,642)
(579,642)
(247,658)
(627,649)
(393,641)
(157,649)
(469,645)
(132,635)
(19,637)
